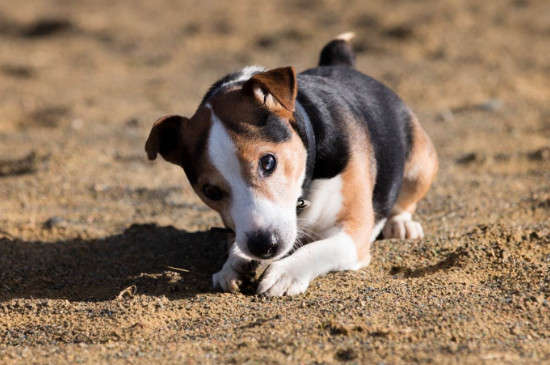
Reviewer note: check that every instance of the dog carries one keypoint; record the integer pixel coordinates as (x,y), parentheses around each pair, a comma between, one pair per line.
(306,169)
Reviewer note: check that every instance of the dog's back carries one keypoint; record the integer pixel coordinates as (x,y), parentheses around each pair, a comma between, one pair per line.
(334,95)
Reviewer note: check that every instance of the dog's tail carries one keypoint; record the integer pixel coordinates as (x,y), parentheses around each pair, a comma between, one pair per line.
(338,52)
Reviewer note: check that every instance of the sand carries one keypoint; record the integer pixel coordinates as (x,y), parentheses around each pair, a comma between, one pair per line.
(107,258)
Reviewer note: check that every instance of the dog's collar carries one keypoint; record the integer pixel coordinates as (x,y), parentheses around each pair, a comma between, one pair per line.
(306,133)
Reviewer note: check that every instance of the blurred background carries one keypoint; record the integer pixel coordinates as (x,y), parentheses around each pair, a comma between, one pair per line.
(81,82)
(103,258)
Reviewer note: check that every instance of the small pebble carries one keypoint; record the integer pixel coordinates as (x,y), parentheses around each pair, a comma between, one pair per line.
(132,122)
(346,354)
(446,115)
(542,154)
(53,222)
(470,158)
(491,105)
(77,124)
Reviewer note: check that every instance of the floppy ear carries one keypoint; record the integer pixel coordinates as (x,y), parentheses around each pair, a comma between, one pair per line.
(165,138)
(274,88)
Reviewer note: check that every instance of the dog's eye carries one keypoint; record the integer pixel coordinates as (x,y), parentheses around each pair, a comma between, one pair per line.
(268,163)
(212,192)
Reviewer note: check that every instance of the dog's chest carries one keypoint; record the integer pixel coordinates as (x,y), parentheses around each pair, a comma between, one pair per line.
(326,200)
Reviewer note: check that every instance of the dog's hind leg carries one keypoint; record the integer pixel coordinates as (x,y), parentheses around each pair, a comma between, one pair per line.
(420,169)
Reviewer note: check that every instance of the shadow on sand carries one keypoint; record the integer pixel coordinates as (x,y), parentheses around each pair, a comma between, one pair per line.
(97,270)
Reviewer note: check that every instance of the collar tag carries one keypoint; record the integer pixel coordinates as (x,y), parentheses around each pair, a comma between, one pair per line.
(302,204)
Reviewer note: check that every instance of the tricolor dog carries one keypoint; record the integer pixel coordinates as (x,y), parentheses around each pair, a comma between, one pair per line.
(306,169)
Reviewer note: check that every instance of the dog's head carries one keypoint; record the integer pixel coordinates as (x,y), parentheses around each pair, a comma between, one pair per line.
(244,158)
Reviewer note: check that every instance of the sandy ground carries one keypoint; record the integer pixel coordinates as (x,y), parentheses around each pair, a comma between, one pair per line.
(84,216)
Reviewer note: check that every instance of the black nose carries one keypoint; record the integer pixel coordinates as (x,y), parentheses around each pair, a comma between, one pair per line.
(262,243)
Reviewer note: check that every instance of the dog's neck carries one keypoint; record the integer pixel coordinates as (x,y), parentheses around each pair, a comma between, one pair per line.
(306,133)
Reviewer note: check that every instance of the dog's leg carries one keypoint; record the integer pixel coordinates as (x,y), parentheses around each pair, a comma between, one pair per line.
(229,277)
(344,248)
(420,169)
(293,274)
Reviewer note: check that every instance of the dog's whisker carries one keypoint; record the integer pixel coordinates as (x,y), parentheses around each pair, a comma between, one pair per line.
(310,234)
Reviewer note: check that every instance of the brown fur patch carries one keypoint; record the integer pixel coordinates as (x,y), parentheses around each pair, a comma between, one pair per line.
(196,132)
(420,170)
(280,82)
(210,175)
(356,216)
(291,161)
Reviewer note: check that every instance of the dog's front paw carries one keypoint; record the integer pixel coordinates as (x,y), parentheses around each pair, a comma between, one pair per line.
(227,279)
(283,278)
(402,226)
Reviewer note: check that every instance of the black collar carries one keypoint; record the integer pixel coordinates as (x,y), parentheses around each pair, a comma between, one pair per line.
(306,133)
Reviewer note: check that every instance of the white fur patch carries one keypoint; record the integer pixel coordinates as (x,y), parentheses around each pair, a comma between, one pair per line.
(326,199)
(346,36)
(223,155)
(293,274)
(244,75)
(249,71)
(266,98)
(228,278)
(377,229)
(402,226)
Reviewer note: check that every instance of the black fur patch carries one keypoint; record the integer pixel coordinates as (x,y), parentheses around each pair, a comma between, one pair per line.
(337,53)
(229,80)
(218,84)
(332,153)
(190,171)
(271,128)
(302,125)
(330,94)
(275,130)
(192,154)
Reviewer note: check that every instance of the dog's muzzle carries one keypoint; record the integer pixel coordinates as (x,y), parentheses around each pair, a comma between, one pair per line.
(262,243)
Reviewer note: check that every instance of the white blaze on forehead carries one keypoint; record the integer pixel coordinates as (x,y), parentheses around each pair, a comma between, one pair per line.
(223,153)
(249,71)
(243,75)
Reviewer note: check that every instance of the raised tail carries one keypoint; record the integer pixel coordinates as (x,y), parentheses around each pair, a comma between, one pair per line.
(338,52)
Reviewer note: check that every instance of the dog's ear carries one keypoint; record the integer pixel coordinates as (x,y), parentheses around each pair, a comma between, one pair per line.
(274,88)
(165,138)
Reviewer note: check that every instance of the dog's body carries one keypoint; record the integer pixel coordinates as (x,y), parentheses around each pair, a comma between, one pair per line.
(261,141)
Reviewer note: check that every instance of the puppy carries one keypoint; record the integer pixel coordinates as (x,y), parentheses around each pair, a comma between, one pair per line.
(306,169)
